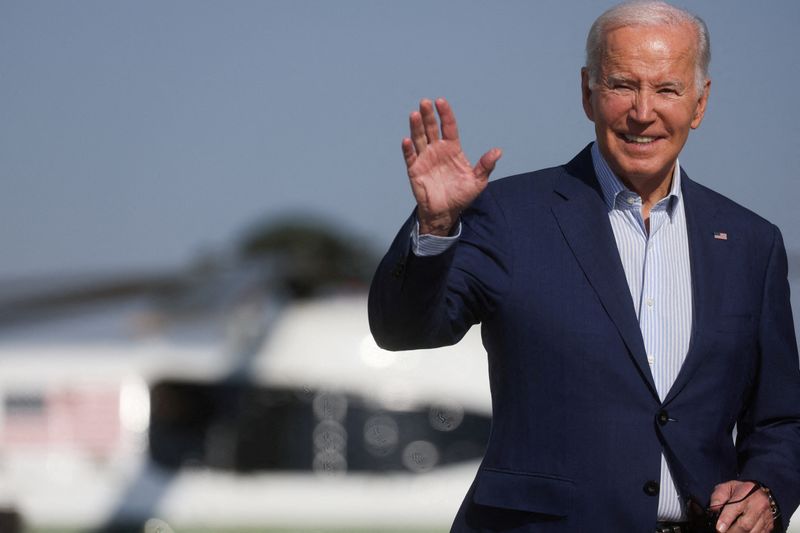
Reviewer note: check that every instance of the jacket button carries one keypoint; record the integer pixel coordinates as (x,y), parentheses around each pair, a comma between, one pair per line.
(662,417)
(398,269)
(651,488)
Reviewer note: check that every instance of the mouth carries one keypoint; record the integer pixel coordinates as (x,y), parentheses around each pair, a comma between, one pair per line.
(638,139)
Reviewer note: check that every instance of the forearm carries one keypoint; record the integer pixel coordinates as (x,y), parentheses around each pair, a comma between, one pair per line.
(407,297)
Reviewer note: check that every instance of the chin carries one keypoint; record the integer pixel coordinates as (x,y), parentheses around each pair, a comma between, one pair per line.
(642,176)
(643,168)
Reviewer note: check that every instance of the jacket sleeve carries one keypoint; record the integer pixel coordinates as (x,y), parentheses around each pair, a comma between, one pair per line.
(768,436)
(425,302)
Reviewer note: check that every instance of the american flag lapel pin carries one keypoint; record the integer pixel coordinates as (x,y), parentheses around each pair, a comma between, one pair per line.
(721,235)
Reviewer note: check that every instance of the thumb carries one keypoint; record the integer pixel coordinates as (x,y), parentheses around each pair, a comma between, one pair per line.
(486,163)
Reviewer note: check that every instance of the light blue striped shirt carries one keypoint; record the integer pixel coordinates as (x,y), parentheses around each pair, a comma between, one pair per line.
(659,278)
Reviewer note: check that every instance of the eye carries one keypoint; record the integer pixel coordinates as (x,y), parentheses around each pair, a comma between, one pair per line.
(669,91)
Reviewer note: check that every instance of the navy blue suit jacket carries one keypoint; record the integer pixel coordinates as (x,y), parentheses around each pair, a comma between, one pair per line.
(577,426)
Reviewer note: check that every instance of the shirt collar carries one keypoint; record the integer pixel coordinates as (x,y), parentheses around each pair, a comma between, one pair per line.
(612,187)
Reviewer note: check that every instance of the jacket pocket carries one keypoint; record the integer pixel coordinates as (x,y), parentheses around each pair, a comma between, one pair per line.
(523,491)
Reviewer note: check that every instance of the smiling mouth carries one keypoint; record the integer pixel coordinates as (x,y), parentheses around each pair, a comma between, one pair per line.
(639,139)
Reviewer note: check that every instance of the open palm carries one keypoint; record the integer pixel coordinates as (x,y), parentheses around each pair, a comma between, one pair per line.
(442,179)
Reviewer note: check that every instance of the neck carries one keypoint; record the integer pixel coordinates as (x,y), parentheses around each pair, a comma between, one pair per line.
(651,190)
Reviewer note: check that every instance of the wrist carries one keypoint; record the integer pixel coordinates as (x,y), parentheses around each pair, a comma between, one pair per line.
(773,505)
(441,226)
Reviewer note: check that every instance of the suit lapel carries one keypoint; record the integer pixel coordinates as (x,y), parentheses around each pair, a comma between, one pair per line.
(583,218)
(706,263)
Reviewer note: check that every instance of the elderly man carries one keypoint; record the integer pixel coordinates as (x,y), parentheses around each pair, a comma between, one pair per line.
(642,357)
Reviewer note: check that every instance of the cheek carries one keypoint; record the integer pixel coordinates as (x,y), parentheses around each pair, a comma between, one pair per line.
(611,110)
(677,115)
(680,121)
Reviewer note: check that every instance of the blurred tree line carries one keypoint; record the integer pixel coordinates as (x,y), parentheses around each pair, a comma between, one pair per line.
(311,256)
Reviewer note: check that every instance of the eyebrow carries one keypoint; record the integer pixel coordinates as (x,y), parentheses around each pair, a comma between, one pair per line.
(617,78)
(621,78)
(671,85)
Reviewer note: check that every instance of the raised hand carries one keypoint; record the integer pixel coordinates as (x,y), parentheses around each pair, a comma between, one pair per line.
(442,179)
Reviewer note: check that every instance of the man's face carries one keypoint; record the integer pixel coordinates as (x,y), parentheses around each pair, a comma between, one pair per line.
(645,101)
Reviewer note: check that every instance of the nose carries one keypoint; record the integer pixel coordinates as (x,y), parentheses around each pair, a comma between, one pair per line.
(642,109)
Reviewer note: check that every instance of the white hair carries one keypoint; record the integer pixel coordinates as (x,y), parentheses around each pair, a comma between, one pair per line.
(647,13)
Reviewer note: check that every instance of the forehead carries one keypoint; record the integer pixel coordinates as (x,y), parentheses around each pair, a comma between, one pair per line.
(666,49)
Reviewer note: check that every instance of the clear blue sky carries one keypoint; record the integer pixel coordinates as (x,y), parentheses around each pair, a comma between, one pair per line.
(133,135)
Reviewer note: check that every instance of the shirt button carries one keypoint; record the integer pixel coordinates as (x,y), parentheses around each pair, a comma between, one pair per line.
(651,488)
(631,200)
(649,302)
(651,359)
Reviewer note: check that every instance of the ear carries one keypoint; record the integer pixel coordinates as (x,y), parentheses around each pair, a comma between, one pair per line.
(700,110)
(586,94)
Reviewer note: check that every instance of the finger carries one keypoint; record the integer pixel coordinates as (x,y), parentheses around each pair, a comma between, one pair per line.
(429,120)
(769,523)
(448,119)
(486,164)
(762,525)
(745,523)
(727,520)
(418,137)
(722,493)
(408,152)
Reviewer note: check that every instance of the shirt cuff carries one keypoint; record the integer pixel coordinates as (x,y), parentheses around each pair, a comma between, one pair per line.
(427,245)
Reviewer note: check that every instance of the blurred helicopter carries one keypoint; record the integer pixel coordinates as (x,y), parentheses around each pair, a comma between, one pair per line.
(226,397)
